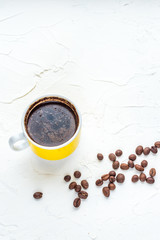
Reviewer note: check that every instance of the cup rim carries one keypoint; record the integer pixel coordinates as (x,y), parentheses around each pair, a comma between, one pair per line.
(61,145)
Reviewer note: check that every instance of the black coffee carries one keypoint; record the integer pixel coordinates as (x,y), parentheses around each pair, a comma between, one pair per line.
(51,123)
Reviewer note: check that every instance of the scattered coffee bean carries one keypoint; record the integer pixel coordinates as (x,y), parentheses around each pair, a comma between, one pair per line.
(118,153)
(132,157)
(111,186)
(78,188)
(105,177)
(152,172)
(139,150)
(142,177)
(115,165)
(112,157)
(157,144)
(150,180)
(38,195)
(72,185)
(112,173)
(67,178)
(124,166)
(135,178)
(83,194)
(99,182)
(100,156)
(112,179)
(120,178)
(139,167)
(131,164)
(77,202)
(77,174)
(84,184)
(154,149)
(144,163)
(106,191)
(146,151)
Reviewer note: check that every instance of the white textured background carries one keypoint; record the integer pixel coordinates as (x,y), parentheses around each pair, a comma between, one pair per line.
(104,56)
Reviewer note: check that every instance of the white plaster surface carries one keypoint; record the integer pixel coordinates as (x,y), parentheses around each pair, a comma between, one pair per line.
(104,56)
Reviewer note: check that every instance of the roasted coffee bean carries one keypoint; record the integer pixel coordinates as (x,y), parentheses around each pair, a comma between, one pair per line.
(135,178)
(120,178)
(72,185)
(77,174)
(83,194)
(139,167)
(99,182)
(132,157)
(131,164)
(38,195)
(154,149)
(77,202)
(142,177)
(124,166)
(111,186)
(152,172)
(105,177)
(106,191)
(112,157)
(118,153)
(139,150)
(157,144)
(115,165)
(146,151)
(112,179)
(84,184)
(67,178)
(100,156)
(144,163)
(112,173)
(150,180)
(78,188)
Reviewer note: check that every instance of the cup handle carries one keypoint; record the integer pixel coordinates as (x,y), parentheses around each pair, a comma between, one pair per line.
(15,139)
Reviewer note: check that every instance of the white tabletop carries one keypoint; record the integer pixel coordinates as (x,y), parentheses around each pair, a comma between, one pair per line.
(105,57)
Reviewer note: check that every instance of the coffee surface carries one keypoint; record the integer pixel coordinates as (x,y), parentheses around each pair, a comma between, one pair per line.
(51,123)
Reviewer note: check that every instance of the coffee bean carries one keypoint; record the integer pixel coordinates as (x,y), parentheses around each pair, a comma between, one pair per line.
(120,178)
(135,178)
(152,172)
(115,165)
(72,185)
(105,177)
(157,144)
(144,163)
(78,188)
(106,191)
(146,151)
(118,153)
(154,149)
(150,180)
(77,174)
(112,173)
(99,182)
(77,202)
(124,166)
(112,179)
(38,195)
(132,157)
(100,156)
(67,178)
(112,157)
(139,167)
(83,194)
(139,150)
(84,184)
(142,177)
(131,164)
(111,186)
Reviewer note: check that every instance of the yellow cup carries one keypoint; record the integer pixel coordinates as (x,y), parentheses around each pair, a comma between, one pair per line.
(23,140)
